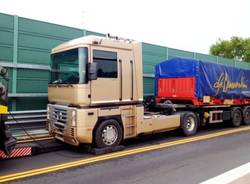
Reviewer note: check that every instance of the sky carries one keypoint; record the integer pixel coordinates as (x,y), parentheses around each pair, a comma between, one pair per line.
(191,25)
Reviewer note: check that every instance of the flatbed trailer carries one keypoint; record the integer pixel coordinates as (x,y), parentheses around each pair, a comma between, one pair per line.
(216,92)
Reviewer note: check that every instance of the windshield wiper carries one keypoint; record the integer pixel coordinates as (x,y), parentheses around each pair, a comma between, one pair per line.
(58,81)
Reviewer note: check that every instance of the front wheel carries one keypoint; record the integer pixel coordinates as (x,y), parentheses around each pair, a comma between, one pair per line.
(108,134)
(189,123)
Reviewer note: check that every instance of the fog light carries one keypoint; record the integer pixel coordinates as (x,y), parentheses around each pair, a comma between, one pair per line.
(48,112)
(73,118)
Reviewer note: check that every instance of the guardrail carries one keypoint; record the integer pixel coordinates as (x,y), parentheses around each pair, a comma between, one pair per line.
(27,123)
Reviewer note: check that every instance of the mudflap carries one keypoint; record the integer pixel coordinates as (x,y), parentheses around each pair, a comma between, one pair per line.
(7,141)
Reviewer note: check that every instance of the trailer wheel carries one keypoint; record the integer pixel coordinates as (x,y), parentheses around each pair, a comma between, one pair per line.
(246,116)
(189,123)
(236,117)
(108,134)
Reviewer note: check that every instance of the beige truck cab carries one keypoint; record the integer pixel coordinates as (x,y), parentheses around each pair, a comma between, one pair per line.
(96,94)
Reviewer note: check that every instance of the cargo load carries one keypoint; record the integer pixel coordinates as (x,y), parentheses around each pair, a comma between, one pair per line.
(201,83)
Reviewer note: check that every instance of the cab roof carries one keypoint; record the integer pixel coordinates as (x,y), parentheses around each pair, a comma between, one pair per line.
(112,42)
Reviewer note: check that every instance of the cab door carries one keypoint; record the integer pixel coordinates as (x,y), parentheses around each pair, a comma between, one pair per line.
(126,75)
(106,88)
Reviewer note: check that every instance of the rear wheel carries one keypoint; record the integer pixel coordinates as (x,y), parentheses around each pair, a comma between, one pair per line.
(108,134)
(246,116)
(236,117)
(189,123)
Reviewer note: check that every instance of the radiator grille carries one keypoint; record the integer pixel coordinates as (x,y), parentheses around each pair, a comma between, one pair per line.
(59,118)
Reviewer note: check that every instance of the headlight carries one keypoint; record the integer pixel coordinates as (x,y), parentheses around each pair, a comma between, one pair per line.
(73,118)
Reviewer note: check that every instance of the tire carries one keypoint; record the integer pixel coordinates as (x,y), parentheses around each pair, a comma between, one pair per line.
(189,123)
(108,134)
(246,116)
(236,117)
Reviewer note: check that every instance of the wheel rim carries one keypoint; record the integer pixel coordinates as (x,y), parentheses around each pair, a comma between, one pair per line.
(109,135)
(237,117)
(247,115)
(190,124)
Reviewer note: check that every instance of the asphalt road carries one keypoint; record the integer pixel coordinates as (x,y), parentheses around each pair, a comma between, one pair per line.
(188,163)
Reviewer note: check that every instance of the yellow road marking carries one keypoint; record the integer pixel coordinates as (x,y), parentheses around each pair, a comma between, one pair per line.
(85,161)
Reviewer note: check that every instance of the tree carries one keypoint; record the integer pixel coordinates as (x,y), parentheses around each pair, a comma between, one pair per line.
(235,48)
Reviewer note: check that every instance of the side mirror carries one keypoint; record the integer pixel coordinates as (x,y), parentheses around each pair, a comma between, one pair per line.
(92,71)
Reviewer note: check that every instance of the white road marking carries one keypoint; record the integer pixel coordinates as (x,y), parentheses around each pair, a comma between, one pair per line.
(230,176)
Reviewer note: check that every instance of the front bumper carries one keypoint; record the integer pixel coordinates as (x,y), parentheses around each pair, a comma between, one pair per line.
(60,123)
(71,125)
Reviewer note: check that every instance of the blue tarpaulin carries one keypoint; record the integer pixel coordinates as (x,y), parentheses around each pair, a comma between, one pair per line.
(216,80)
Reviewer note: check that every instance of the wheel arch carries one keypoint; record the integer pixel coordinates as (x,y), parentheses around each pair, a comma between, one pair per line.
(245,108)
(102,118)
(198,116)
(237,108)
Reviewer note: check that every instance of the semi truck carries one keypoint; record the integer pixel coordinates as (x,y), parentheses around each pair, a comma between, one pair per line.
(96,93)
(7,141)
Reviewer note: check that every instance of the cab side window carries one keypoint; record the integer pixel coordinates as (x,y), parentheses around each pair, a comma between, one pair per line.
(106,63)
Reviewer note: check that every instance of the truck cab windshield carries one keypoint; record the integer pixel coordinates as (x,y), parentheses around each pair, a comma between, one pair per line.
(69,67)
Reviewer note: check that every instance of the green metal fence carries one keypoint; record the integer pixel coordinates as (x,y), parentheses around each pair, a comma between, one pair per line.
(25,46)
